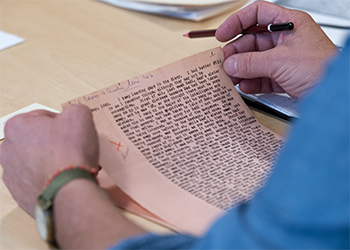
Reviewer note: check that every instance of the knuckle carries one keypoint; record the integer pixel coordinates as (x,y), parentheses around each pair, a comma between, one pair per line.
(78,115)
(244,66)
(79,111)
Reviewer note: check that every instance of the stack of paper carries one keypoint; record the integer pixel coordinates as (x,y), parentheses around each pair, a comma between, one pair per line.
(195,10)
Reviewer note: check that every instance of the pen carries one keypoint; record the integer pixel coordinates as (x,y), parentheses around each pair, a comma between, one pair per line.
(251,30)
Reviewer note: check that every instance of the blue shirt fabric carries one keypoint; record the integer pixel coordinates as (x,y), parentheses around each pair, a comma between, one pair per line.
(305,203)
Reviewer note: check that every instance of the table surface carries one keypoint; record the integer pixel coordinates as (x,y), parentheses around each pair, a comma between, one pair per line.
(72,48)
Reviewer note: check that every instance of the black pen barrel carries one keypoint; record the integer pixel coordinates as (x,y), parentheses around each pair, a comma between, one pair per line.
(281,26)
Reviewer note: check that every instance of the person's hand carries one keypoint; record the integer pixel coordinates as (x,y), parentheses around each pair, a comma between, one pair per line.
(39,143)
(287,61)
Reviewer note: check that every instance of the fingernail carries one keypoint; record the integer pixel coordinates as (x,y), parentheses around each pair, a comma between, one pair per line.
(230,66)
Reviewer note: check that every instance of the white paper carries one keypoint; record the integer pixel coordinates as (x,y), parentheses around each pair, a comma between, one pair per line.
(184,2)
(189,12)
(8,40)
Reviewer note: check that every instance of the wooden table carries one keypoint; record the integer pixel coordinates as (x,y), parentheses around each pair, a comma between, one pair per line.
(72,48)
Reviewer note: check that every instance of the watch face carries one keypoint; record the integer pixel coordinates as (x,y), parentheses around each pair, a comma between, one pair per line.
(41,221)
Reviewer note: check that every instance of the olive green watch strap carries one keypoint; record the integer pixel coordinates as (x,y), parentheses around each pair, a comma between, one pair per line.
(60,180)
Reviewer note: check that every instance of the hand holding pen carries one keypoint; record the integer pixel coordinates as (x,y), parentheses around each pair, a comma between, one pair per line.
(289,60)
(251,30)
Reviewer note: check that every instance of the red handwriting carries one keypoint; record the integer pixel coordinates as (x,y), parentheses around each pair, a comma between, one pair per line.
(117,145)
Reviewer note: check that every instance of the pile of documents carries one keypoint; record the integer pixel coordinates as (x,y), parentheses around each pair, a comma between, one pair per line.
(196,10)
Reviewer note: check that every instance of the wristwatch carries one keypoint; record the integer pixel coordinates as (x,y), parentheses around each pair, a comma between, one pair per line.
(44,206)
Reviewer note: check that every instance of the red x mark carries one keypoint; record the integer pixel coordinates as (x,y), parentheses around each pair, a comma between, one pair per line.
(118,145)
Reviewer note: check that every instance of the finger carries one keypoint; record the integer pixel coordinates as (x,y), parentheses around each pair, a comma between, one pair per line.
(79,108)
(254,64)
(250,86)
(235,80)
(276,87)
(243,44)
(257,85)
(79,117)
(84,139)
(259,12)
(80,113)
(250,42)
(260,85)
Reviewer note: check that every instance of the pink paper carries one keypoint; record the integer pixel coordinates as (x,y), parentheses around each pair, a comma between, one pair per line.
(180,142)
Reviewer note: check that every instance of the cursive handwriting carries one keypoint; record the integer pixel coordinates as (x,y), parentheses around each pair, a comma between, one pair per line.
(91,97)
(123,87)
(71,103)
(147,76)
(130,84)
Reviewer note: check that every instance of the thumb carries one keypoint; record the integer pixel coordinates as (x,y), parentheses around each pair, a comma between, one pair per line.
(248,65)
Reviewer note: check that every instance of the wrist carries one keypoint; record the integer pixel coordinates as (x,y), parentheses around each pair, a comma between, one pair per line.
(44,205)
(70,203)
(92,171)
(87,219)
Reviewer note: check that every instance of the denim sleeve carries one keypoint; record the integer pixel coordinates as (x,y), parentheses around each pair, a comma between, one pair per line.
(305,204)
